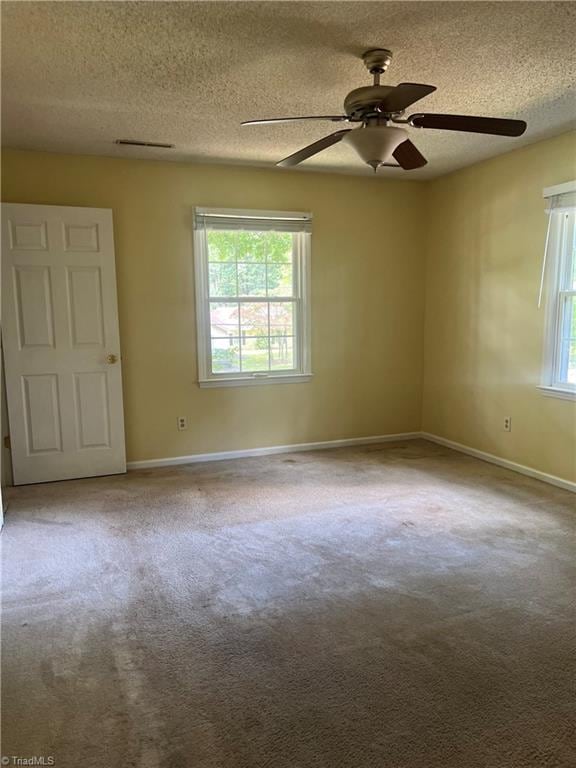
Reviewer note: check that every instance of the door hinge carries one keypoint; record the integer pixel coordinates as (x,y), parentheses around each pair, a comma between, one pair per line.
(7,443)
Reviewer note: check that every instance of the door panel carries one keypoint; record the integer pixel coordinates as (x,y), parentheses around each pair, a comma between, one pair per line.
(61,343)
(42,413)
(33,296)
(92,411)
(85,306)
(79,238)
(28,236)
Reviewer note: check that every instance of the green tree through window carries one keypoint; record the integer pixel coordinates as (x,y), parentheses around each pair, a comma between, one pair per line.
(248,335)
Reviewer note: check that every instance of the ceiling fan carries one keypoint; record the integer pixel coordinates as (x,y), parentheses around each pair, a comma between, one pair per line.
(380,109)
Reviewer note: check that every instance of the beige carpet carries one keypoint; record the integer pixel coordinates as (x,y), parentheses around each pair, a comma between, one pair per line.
(391,606)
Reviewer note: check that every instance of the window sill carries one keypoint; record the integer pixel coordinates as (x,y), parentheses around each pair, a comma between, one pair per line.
(563,394)
(241,381)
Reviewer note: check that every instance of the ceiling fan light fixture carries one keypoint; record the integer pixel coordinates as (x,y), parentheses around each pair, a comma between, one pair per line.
(375,143)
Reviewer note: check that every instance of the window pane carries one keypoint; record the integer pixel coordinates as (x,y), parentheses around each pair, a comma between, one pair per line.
(255,355)
(245,246)
(571,377)
(280,280)
(567,362)
(279,247)
(281,353)
(572,257)
(251,279)
(225,355)
(223,319)
(222,280)
(569,318)
(221,246)
(281,318)
(252,247)
(254,319)
(567,371)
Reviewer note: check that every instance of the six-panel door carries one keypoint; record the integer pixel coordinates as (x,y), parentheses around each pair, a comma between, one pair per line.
(61,343)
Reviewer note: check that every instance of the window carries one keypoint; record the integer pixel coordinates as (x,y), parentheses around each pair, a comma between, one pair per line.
(560,273)
(252,296)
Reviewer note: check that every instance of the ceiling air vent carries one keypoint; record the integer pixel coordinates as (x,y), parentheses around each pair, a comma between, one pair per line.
(137,143)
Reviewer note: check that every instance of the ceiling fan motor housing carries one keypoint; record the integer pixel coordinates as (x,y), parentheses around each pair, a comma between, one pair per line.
(366,99)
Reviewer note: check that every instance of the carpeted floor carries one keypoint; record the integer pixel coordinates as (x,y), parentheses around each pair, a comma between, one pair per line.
(390,606)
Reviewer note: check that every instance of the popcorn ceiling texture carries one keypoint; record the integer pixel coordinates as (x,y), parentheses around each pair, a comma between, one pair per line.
(76,76)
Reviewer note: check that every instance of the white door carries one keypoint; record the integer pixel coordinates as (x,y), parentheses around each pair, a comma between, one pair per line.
(61,343)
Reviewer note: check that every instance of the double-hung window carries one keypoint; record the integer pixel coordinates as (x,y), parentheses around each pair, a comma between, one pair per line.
(560,282)
(252,296)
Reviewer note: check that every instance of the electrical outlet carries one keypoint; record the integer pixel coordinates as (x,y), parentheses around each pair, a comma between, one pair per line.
(182,422)
(507,423)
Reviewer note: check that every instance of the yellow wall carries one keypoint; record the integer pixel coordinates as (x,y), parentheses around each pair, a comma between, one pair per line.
(483,330)
(482,231)
(367,298)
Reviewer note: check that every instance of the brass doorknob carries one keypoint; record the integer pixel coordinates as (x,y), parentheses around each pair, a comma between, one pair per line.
(112,359)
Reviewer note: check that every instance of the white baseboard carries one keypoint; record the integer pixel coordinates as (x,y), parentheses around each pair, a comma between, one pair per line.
(299,447)
(521,468)
(246,453)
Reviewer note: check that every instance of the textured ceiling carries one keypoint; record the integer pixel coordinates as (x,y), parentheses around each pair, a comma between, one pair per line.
(77,75)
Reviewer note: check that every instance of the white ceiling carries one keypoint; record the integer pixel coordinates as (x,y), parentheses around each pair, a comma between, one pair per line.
(78,75)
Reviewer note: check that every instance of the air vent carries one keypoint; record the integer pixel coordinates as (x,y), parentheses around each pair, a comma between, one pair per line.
(137,143)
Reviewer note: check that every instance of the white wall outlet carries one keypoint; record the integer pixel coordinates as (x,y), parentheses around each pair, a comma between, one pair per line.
(507,423)
(182,422)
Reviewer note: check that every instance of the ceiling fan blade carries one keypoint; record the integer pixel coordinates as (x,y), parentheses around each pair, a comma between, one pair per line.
(409,156)
(404,95)
(333,118)
(493,125)
(312,149)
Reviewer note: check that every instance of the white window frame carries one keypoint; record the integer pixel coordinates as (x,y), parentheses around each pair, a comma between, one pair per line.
(299,223)
(557,266)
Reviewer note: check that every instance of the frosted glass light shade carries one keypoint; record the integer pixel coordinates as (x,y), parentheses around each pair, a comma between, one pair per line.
(375,143)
